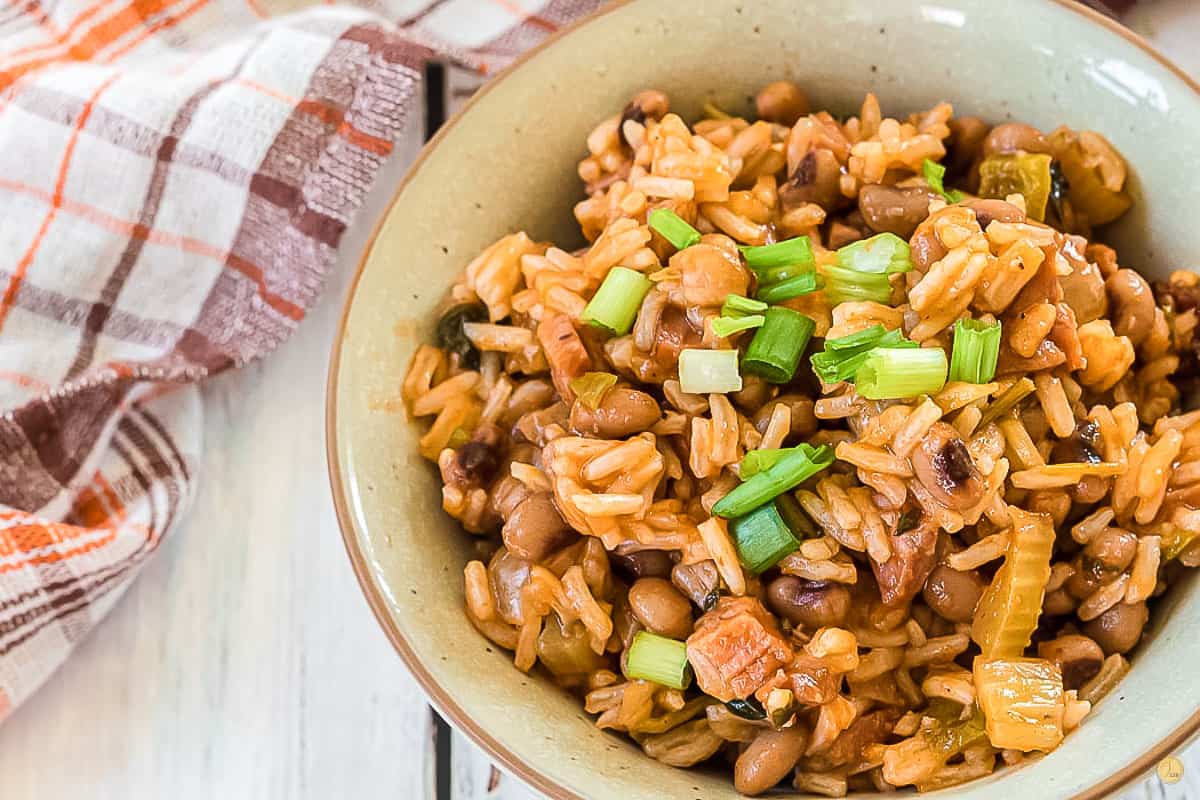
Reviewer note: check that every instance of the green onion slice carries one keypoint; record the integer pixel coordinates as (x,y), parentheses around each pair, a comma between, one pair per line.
(747,709)
(674,228)
(843,356)
(804,283)
(768,257)
(762,538)
(658,659)
(976,351)
(756,461)
(709,371)
(458,437)
(867,337)
(738,306)
(1007,401)
(889,373)
(590,387)
(727,326)
(884,253)
(787,473)
(615,305)
(794,517)
(774,352)
(935,176)
(843,285)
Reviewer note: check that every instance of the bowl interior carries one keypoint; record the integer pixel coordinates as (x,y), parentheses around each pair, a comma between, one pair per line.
(509,163)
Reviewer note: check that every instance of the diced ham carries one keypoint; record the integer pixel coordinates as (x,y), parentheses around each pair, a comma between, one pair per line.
(565,353)
(1065,334)
(847,749)
(812,681)
(914,554)
(736,648)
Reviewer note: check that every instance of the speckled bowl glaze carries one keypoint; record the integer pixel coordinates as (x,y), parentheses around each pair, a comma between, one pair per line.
(508,162)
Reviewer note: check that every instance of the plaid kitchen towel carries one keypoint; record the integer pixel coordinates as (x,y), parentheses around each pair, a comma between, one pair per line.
(176,176)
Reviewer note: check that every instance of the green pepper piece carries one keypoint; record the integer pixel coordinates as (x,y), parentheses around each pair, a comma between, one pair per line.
(1027,174)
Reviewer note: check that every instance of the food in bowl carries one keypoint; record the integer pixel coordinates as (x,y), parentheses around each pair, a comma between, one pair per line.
(841,455)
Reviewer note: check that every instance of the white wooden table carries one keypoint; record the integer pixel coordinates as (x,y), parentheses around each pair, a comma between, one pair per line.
(244,663)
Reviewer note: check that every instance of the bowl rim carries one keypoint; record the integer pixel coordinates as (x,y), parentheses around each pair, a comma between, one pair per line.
(436,694)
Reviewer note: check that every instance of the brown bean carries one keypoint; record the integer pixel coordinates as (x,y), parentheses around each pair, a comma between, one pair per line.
(622,412)
(1112,547)
(643,564)
(754,393)
(1013,136)
(1132,304)
(1082,446)
(699,582)
(1118,629)
(1059,602)
(890,209)
(809,604)
(817,179)
(926,248)
(508,573)
(989,210)
(768,759)
(478,461)
(953,594)
(625,624)
(804,422)
(648,104)
(1077,657)
(660,607)
(506,494)
(1089,575)
(944,466)
(782,101)
(1083,290)
(535,528)
(842,233)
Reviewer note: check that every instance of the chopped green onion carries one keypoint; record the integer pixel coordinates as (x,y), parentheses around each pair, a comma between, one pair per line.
(738,306)
(727,326)
(775,350)
(935,176)
(867,337)
(756,461)
(843,285)
(458,437)
(788,473)
(892,373)
(709,371)
(976,351)
(762,538)
(1007,401)
(747,709)
(658,659)
(843,356)
(794,517)
(883,253)
(590,387)
(615,305)
(804,283)
(674,228)
(769,257)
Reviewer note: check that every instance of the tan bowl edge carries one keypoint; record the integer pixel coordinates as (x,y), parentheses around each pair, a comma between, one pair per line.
(442,701)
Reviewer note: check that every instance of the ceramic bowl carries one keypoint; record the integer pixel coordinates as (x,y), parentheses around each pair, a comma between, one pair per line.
(508,162)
